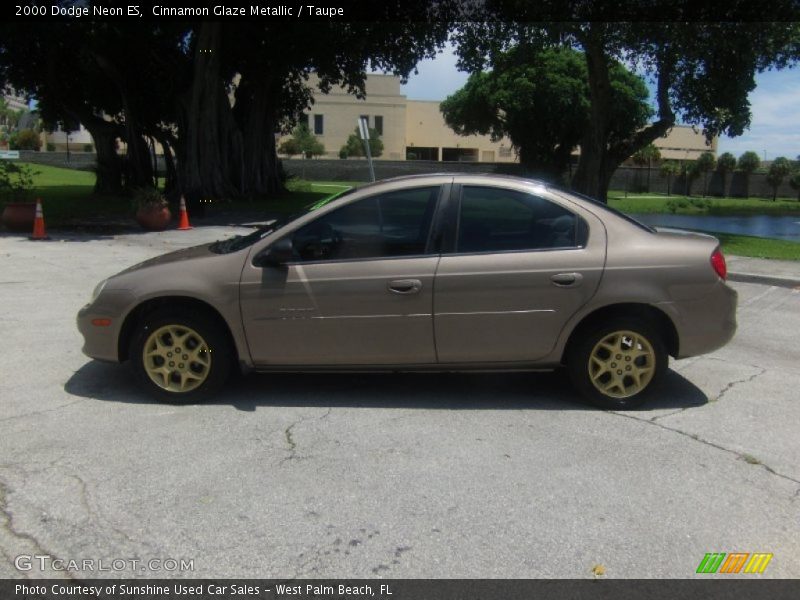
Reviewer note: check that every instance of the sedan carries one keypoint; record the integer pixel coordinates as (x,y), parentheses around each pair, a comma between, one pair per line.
(447,272)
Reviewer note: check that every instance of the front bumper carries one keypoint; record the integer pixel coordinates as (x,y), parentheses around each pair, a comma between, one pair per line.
(101,342)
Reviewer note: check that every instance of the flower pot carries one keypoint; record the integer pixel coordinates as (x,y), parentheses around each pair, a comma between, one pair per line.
(153,218)
(19,216)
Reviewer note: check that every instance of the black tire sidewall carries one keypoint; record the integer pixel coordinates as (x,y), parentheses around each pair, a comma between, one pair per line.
(579,356)
(210,331)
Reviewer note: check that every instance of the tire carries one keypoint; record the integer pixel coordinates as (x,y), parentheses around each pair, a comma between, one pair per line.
(168,372)
(619,364)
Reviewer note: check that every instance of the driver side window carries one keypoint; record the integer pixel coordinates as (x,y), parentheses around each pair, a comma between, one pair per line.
(388,225)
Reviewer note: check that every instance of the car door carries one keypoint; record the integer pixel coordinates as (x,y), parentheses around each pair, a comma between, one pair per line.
(359,290)
(520,265)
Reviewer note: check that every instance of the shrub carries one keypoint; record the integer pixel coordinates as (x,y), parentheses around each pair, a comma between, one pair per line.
(88,148)
(27,139)
(146,197)
(50,147)
(16,181)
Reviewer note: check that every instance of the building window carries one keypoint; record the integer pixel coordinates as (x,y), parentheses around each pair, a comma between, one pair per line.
(379,124)
(318,127)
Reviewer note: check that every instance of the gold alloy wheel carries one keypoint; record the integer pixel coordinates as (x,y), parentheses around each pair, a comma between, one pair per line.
(176,358)
(622,364)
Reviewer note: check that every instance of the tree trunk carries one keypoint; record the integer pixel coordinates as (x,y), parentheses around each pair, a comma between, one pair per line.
(109,164)
(207,128)
(592,166)
(259,160)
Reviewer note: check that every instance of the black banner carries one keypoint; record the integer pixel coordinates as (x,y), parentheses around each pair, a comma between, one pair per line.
(398,589)
(266,11)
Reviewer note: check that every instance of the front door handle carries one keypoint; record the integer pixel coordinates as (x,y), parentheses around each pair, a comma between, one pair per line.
(567,279)
(405,286)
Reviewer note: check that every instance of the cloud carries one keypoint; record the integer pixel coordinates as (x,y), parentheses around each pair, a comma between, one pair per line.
(775,125)
(437,78)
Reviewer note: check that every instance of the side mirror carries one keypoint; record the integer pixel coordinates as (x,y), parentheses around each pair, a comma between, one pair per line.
(277,255)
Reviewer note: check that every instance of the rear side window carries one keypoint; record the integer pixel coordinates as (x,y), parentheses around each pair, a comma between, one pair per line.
(383,226)
(500,220)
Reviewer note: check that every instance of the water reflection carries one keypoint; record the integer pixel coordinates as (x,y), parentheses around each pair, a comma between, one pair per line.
(782,227)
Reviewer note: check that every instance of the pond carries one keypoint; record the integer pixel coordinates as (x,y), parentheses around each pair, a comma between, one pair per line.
(781,227)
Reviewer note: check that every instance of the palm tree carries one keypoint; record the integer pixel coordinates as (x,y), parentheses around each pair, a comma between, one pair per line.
(646,156)
(704,164)
(748,162)
(726,163)
(669,169)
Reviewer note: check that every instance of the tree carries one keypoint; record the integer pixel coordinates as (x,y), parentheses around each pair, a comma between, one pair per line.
(794,181)
(669,169)
(212,94)
(726,163)
(646,156)
(705,163)
(703,67)
(305,142)
(355,145)
(539,99)
(289,147)
(747,164)
(777,172)
(27,139)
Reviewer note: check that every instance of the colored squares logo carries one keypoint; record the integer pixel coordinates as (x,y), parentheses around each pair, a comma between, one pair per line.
(734,562)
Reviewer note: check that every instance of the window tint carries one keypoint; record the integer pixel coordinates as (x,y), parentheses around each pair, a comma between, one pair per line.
(497,220)
(392,224)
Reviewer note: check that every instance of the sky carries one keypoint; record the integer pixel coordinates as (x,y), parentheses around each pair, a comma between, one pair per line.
(775,106)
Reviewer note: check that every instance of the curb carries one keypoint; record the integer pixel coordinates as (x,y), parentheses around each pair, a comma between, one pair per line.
(786,282)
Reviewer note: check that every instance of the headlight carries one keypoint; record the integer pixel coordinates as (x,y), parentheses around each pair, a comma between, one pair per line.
(98,288)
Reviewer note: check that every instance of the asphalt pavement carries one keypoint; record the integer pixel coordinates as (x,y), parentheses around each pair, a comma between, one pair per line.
(401,475)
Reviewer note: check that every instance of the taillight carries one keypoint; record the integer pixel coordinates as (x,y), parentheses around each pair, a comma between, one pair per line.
(718,262)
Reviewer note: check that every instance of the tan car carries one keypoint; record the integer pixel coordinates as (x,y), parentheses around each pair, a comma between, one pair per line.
(443,272)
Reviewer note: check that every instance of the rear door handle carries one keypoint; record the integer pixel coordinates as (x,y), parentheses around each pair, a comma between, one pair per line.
(567,279)
(405,286)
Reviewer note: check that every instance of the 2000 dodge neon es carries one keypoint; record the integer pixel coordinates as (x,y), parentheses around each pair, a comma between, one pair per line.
(438,272)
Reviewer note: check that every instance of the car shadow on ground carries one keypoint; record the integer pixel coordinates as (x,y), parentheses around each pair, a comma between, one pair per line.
(454,391)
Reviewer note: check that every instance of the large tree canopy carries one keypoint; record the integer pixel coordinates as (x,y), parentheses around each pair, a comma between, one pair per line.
(703,70)
(213,94)
(540,100)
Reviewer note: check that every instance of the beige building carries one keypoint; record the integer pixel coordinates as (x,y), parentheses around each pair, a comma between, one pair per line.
(415,129)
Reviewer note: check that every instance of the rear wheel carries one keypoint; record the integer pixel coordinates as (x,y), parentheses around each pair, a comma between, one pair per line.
(618,364)
(181,357)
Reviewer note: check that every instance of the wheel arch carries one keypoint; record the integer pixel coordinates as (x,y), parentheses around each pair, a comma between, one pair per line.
(147,307)
(647,312)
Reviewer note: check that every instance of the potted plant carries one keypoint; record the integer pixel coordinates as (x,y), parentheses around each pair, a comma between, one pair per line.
(16,189)
(152,210)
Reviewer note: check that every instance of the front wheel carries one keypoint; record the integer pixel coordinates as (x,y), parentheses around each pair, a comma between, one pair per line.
(180,357)
(618,364)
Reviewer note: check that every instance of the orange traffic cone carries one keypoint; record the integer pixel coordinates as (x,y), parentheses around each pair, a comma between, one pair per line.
(39,232)
(183,222)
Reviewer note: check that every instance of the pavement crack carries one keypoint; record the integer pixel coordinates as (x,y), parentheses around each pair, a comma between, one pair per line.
(7,525)
(740,455)
(41,412)
(733,384)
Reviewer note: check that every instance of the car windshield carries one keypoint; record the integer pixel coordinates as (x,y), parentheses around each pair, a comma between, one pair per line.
(239,242)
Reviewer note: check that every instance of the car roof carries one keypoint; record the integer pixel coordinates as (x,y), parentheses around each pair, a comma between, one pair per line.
(461,175)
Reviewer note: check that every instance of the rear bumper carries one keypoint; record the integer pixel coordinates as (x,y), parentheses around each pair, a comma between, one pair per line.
(708,323)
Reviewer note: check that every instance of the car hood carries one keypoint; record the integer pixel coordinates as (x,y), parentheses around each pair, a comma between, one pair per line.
(193,253)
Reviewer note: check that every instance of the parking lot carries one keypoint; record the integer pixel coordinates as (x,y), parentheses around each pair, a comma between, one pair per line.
(384,475)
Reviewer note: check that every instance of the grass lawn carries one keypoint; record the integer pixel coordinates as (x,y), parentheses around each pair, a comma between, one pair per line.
(67,198)
(695,205)
(748,245)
